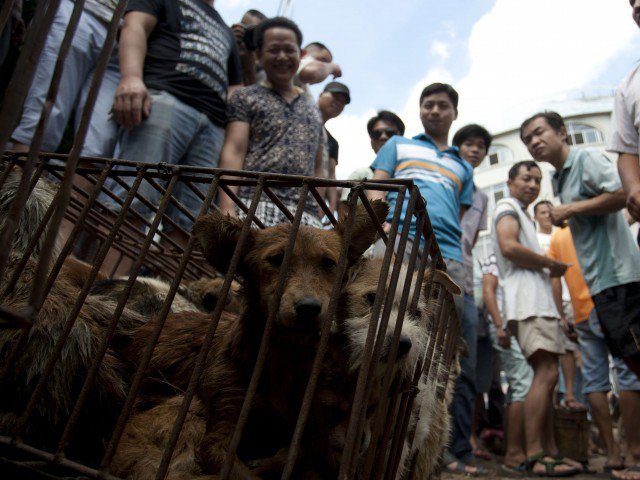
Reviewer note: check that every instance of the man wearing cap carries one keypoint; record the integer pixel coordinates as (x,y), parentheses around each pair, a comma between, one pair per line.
(331,102)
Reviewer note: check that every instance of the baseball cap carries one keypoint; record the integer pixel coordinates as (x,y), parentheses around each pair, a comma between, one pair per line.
(337,87)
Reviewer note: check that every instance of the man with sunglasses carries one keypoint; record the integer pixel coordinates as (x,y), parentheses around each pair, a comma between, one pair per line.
(381,128)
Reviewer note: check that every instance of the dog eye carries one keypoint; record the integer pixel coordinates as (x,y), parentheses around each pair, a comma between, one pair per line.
(327,263)
(370,298)
(276,260)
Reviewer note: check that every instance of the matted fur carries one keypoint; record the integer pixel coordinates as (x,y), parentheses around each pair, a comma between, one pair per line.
(311,275)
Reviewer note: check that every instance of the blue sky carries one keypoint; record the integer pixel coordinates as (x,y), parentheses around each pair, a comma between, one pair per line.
(505,57)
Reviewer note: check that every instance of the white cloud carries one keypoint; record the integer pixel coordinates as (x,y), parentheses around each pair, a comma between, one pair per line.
(522,52)
(440,49)
(355,148)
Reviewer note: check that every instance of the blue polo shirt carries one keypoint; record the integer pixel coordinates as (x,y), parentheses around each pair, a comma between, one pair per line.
(444,180)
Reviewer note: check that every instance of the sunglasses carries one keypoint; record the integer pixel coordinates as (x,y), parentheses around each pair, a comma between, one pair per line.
(390,132)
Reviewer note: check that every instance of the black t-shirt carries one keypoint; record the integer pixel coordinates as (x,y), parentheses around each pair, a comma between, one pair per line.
(333,146)
(191,54)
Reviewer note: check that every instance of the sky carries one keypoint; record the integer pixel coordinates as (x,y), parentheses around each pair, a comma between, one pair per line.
(506,58)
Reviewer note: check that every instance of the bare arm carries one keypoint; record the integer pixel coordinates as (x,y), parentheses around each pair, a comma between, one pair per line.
(489,286)
(132,101)
(377,194)
(507,230)
(602,204)
(556,289)
(317,72)
(629,170)
(232,157)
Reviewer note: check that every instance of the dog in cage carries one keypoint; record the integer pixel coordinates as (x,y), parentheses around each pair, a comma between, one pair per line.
(305,298)
(24,354)
(306,293)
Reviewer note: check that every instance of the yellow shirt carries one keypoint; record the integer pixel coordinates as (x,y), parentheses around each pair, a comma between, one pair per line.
(562,249)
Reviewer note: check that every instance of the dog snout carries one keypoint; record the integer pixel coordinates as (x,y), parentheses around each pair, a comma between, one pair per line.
(308,308)
(404,345)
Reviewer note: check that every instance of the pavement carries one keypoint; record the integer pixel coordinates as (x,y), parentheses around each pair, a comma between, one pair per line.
(596,462)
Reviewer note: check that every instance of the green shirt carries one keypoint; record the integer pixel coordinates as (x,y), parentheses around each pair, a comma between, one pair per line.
(606,251)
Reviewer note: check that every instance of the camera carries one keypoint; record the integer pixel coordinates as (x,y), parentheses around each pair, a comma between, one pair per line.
(249,39)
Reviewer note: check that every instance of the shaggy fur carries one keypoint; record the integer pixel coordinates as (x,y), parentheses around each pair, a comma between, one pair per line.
(224,382)
(37,204)
(146,297)
(54,406)
(302,309)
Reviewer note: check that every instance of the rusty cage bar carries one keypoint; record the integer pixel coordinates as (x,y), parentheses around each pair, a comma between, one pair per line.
(95,278)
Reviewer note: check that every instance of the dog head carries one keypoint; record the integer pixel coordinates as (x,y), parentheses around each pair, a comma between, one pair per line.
(311,271)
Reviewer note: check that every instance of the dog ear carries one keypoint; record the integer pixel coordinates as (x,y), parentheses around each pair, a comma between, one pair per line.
(445,280)
(218,236)
(364,228)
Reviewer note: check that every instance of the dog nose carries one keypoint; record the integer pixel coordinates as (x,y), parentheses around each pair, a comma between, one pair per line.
(404,345)
(308,307)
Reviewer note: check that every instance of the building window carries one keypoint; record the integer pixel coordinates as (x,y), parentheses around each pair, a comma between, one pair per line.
(581,134)
(497,154)
(495,193)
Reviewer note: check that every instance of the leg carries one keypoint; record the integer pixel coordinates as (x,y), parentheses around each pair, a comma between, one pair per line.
(76,69)
(568,366)
(514,452)
(465,392)
(595,371)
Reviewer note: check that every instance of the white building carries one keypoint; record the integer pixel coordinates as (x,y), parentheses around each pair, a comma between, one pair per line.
(588,124)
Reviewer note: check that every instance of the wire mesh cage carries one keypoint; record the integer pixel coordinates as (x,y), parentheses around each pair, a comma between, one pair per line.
(325,388)
(145,335)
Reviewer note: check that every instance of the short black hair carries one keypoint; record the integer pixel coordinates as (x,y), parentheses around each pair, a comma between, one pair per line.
(440,88)
(528,164)
(539,204)
(554,120)
(386,116)
(472,130)
(256,14)
(276,22)
(319,45)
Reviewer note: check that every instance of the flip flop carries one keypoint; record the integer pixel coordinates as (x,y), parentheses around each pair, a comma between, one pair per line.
(549,466)
(515,472)
(609,468)
(632,468)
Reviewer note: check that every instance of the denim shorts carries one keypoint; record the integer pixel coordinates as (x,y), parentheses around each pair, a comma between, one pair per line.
(75,82)
(176,134)
(519,372)
(595,360)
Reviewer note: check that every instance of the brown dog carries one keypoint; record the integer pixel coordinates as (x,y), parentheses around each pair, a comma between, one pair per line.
(302,309)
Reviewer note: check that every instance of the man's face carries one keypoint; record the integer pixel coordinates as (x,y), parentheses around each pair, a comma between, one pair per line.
(526,186)
(473,150)
(542,141)
(331,104)
(635,13)
(543,217)
(280,55)
(437,113)
(320,54)
(380,133)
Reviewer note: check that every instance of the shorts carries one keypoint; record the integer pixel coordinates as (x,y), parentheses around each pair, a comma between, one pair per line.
(595,360)
(77,75)
(518,371)
(538,333)
(619,313)
(177,134)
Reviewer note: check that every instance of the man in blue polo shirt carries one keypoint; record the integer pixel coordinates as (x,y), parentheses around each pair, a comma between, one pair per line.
(446,181)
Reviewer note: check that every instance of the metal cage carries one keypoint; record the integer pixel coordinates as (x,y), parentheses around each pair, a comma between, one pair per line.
(85,205)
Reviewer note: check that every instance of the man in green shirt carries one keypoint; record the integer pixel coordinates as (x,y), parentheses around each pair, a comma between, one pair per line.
(592,197)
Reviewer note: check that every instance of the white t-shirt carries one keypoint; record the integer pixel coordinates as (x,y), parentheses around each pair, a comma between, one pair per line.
(625,118)
(527,292)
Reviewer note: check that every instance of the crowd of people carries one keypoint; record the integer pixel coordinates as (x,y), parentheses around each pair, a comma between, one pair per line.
(184,88)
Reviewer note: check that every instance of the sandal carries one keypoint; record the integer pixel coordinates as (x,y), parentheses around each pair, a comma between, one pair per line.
(549,466)
(621,473)
(460,467)
(483,454)
(515,472)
